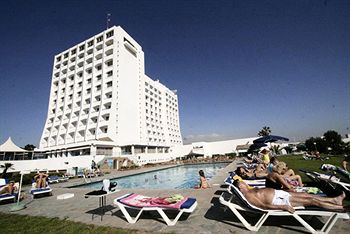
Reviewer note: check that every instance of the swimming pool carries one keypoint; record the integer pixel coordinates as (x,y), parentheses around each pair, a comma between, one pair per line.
(180,177)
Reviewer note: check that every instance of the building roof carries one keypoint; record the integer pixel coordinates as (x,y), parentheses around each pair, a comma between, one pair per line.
(243,147)
(9,146)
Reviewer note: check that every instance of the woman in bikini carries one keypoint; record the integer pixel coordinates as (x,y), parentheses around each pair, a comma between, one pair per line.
(203,181)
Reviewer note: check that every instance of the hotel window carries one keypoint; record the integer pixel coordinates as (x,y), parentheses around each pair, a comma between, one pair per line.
(80,74)
(110,73)
(58,59)
(108,95)
(66,55)
(89,81)
(109,84)
(90,43)
(89,71)
(99,39)
(99,67)
(98,98)
(110,63)
(88,91)
(99,77)
(74,51)
(98,87)
(110,34)
(82,47)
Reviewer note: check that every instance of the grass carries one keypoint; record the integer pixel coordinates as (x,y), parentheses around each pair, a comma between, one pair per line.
(297,162)
(14,223)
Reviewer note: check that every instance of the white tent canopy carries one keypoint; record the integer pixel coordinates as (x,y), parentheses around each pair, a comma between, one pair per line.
(9,146)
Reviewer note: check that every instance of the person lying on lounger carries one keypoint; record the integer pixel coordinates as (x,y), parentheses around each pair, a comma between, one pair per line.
(288,174)
(10,188)
(273,179)
(269,198)
(248,174)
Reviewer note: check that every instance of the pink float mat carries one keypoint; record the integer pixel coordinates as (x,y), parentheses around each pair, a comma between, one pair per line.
(143,201)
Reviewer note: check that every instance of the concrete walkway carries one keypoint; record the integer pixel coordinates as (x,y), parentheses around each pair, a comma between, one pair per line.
(209,216)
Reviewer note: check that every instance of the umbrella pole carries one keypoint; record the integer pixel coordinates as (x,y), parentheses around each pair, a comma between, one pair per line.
(18,206)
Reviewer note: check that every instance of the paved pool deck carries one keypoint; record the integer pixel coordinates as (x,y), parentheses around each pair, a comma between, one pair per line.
(209,216)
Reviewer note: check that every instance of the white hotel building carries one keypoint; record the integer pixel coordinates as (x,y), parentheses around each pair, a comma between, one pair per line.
(102,103)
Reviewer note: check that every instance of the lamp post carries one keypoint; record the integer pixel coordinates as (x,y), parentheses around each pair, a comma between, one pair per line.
(315,144)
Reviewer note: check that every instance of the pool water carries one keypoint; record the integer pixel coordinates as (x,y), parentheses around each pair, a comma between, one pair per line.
(180,177)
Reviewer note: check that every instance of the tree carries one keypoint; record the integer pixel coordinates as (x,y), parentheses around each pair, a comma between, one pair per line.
(276,149)
(29,147)
(6,166)
(334,142)
(265,131)
(316,144)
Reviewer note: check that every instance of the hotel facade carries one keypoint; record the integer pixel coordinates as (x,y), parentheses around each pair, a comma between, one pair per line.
(102,103)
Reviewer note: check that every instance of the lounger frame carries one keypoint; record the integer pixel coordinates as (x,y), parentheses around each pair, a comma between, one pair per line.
(227,199)
(7,197)
(36,192)
(160,210)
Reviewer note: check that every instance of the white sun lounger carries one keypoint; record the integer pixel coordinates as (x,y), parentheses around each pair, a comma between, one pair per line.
(102,195)
(134,201)
(7,197)
(258,183)
(41,191)
(238,203)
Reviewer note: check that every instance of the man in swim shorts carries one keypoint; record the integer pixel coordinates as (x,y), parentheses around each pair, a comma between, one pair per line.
(269,198)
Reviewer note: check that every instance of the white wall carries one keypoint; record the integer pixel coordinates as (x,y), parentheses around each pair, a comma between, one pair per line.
(54,163)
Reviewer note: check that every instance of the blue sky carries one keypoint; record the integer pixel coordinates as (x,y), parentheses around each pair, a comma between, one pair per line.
(237,65)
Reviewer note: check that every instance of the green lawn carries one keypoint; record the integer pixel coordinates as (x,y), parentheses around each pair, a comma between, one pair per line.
(297,162)
(13,223)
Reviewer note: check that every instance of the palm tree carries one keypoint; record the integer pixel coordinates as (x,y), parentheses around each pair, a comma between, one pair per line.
(265,131)
(6,166)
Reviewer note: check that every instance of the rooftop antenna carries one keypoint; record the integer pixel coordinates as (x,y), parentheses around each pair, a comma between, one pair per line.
(108,19)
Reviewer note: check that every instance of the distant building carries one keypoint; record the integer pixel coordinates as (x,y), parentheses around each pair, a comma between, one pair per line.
(102,102)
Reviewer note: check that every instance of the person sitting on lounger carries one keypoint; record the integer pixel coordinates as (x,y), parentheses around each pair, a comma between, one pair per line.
(203,181)
(269,198)
(345,162)
(40,180)
(265,156)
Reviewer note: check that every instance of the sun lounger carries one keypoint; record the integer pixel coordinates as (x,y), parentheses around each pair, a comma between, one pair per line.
(8,197)
(41,191)
(237,203)
(53,179)
(143,203)
(329,184)
(258,183)
(108,188)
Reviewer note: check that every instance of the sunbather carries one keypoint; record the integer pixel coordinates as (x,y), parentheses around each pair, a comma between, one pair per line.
(269,198)
(40,180)
(9,188)
(257,173)
(288,174)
